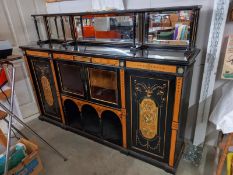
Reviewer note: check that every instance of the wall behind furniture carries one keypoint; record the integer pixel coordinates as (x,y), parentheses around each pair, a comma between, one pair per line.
(69,6)
(17,26)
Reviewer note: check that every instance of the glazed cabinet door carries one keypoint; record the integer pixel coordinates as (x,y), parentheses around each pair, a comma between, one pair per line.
(44,83)
(71,78)
(103,85)
(149,103)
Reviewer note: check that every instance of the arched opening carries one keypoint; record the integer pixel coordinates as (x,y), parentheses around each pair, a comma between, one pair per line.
(72,113)
(91,121)
(111,127)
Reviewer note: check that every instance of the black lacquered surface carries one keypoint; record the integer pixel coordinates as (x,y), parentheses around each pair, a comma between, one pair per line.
(172,56)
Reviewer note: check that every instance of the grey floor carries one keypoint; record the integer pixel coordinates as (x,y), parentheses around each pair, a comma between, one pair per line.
(87,157)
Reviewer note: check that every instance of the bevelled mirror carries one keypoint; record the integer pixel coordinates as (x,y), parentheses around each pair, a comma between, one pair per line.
(106,27)
(169,27)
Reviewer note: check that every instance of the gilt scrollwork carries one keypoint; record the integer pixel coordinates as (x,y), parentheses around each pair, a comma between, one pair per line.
(151,99)
(147,145)
(148,89)
(42,69)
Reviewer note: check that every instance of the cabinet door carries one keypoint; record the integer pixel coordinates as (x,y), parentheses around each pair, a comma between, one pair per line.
(45,87)
(150,103)
(103,85)
(70,78)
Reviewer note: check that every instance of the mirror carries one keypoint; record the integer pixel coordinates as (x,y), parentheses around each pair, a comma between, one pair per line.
(105,28)
(169,28)
(55,28)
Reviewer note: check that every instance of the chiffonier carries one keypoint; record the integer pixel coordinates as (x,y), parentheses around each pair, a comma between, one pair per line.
(121,78)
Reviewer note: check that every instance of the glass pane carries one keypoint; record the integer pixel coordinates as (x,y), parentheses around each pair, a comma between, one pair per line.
(66,21)
(55,28)
(41,28)
(106,28)
(103,85)
(71,78)
(169,28)
(78,27)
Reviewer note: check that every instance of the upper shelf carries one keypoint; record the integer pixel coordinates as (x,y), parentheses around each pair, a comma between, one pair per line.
(173,27)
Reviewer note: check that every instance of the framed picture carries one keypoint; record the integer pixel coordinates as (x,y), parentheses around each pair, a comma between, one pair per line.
(227,71)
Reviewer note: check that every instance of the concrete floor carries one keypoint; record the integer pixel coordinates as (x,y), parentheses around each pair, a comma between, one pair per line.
(86,157)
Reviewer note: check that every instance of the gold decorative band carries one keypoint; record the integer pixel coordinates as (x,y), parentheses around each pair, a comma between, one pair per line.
(152,67)
(175,126)
(63,56)
(37,53)
(82,59)
(104,61)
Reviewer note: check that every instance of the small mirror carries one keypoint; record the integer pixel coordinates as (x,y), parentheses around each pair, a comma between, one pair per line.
(55,28)
(105,27)
(169,28)
(67,29)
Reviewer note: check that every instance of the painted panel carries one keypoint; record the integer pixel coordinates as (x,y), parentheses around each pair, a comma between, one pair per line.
(150,103)
(44,83)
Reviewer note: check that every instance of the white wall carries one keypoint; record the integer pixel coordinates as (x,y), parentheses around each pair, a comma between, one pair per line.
(70,6)
(17,26)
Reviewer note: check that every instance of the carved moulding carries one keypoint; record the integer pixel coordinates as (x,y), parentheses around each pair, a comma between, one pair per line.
(99,109)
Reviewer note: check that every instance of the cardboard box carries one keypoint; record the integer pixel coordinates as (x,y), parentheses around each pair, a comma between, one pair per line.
(31,164)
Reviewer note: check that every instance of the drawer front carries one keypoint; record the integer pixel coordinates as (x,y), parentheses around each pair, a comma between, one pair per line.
(63,56)
(43,79)
(151,67)
(37,54)
(103,61)
(150,103)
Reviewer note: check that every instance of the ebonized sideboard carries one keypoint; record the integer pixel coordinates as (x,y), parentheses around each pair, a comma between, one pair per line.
(134,99)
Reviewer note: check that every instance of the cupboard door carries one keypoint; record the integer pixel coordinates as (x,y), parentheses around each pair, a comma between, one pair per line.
(103,85)
(70,75)
(150,102)
(45,87)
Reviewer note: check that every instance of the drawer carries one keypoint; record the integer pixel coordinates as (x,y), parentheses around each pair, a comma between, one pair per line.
(151,67)
(63,56)
(37,53)
(104,61)
(82,59)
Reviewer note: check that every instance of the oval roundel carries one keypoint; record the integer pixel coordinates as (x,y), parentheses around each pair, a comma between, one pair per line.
(148,118)
(47,90)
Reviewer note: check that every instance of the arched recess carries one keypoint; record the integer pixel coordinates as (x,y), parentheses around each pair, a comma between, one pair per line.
(73,117)
(91,120)
(111,127)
